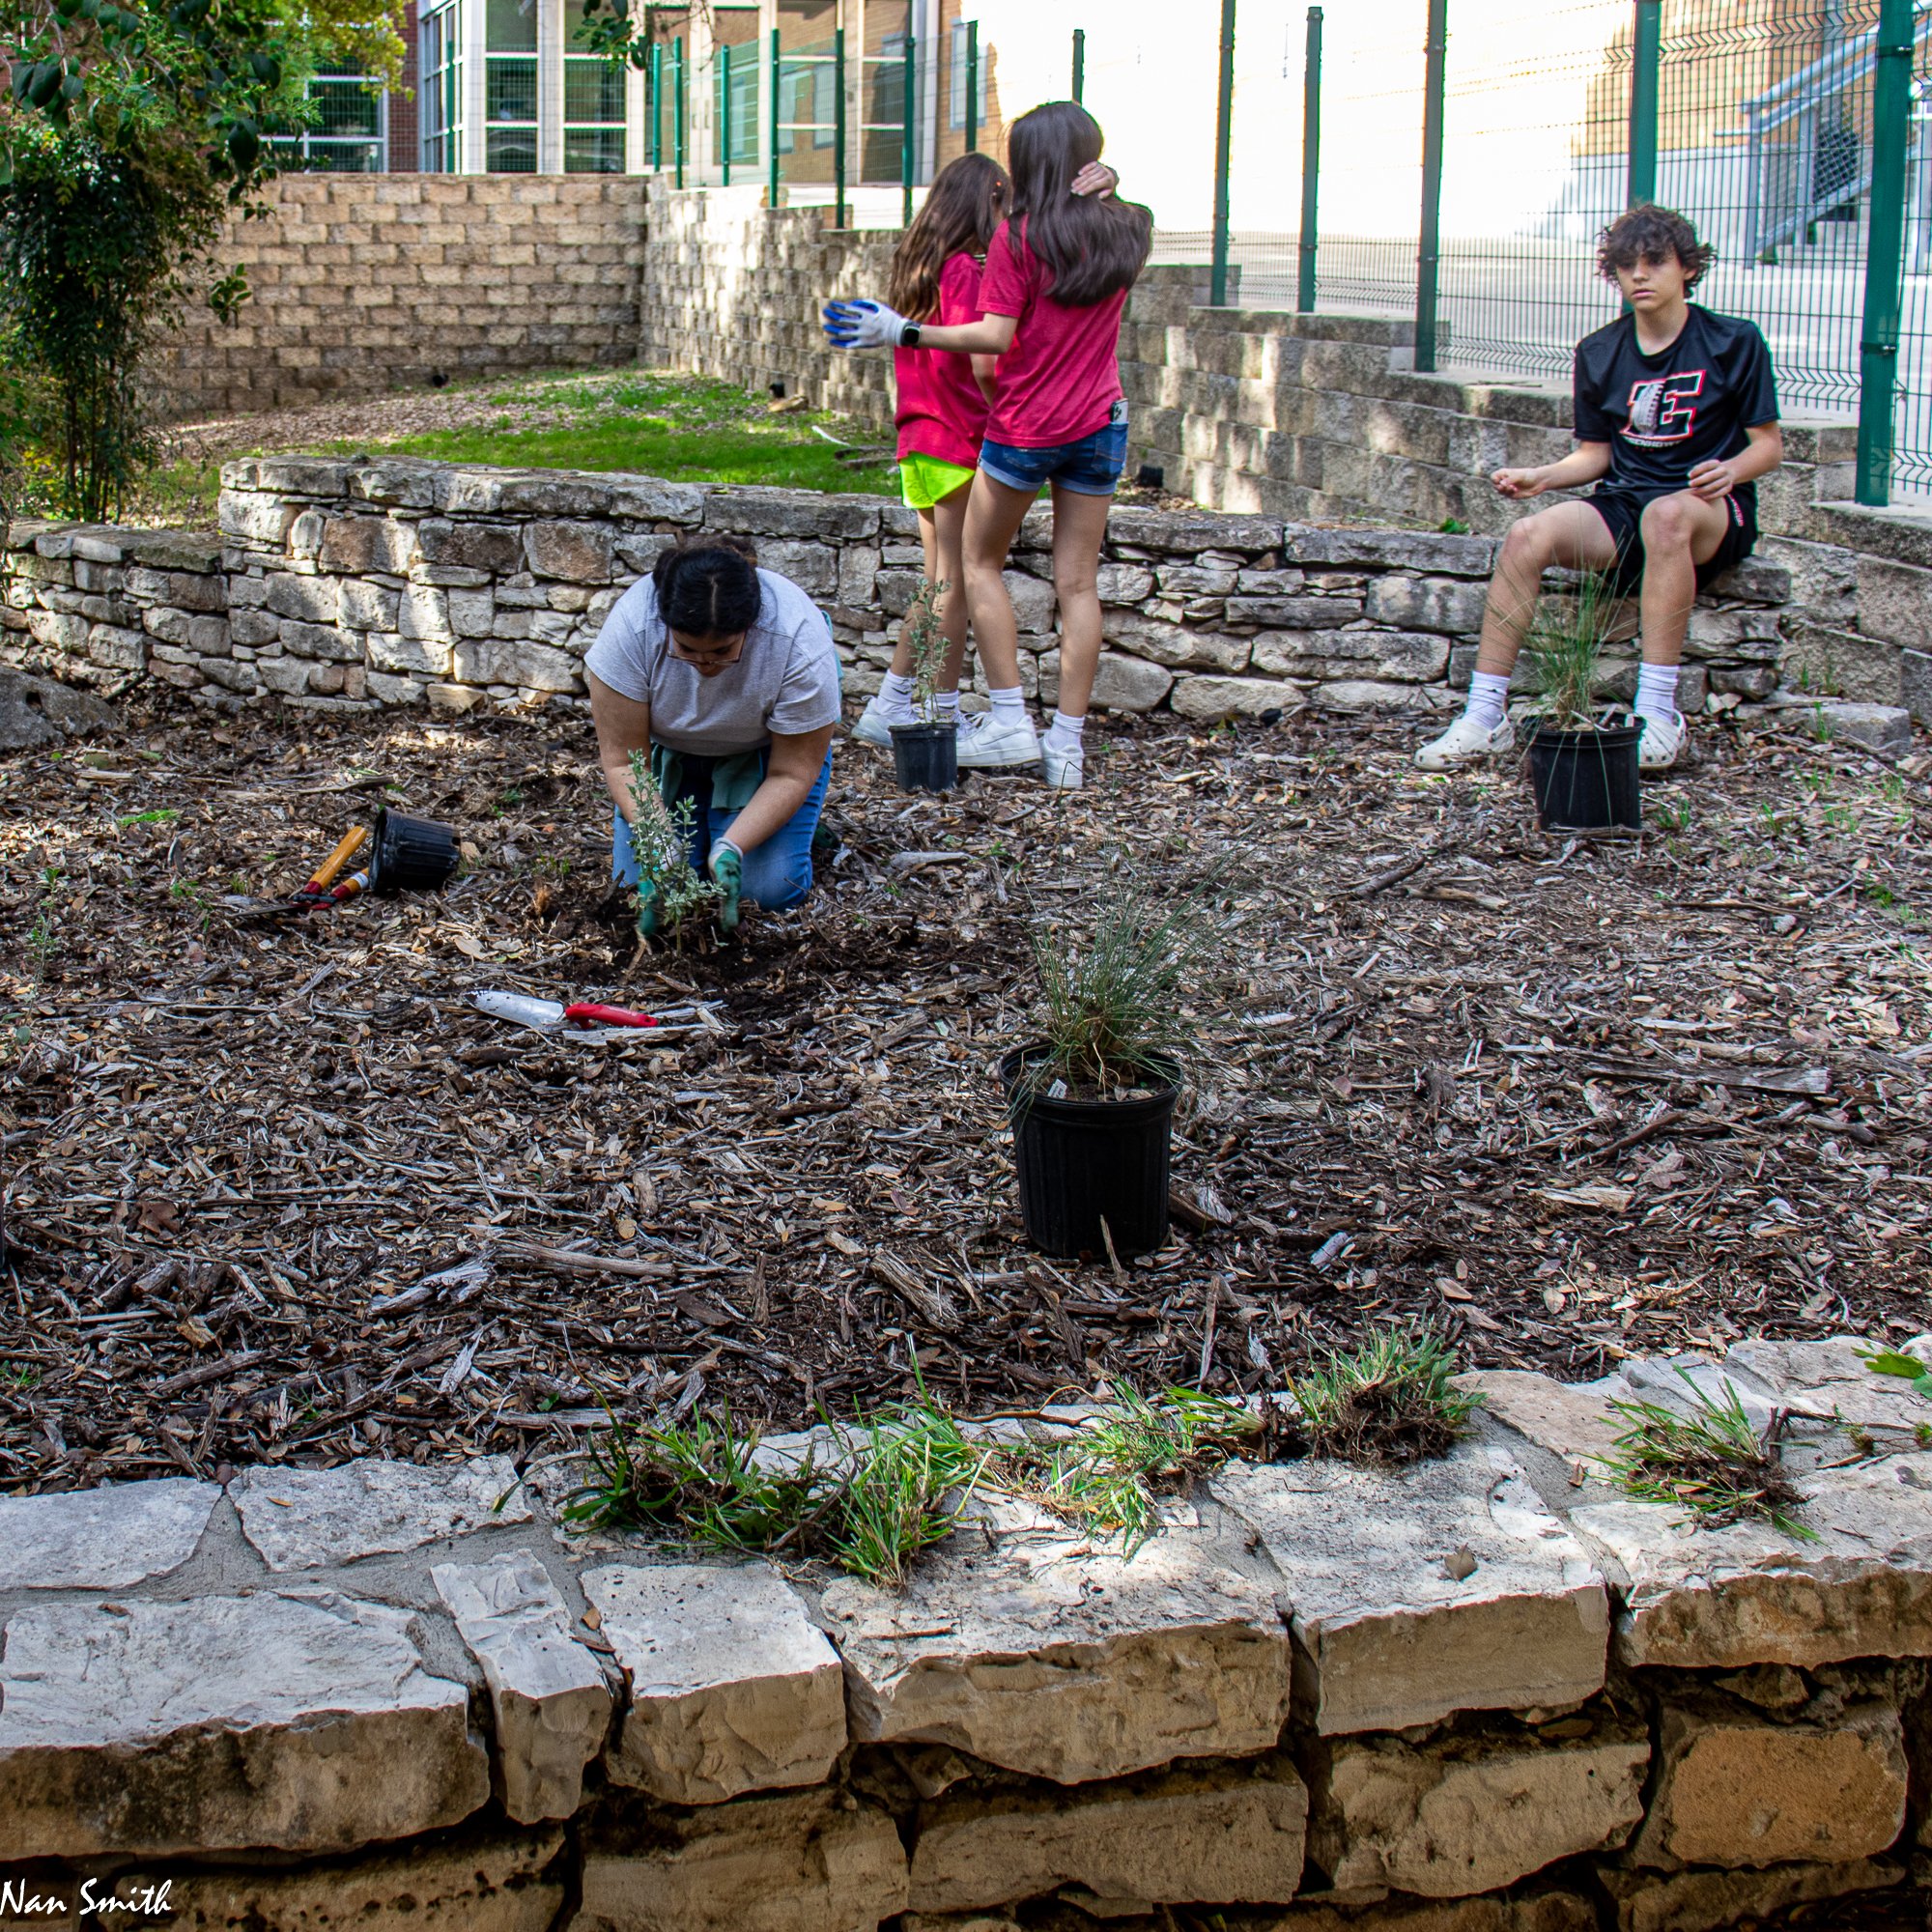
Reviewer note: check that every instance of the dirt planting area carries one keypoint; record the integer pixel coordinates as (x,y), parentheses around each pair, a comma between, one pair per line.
(274,1189)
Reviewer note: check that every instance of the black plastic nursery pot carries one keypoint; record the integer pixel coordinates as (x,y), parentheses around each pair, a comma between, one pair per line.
(1587,780)
(925,757)
(411,855)
(1085,1162)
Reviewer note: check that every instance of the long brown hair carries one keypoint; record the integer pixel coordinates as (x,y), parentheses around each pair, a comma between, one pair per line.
(1093,246)
(963,208)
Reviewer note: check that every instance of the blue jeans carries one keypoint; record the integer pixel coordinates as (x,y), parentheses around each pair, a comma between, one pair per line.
(777,874)
(1090,467)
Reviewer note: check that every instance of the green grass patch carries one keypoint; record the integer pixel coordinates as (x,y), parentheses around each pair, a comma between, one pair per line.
(683,427)
(1392,1401)
(1709,1460)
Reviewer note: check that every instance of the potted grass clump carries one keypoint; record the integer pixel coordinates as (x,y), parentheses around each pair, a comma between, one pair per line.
(925,755)
(1582,766)
(1091,1099)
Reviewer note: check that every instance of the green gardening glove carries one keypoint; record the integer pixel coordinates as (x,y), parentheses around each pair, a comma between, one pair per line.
(727,875)
(647,913)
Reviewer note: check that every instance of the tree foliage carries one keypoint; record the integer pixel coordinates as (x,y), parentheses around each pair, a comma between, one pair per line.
(130,134)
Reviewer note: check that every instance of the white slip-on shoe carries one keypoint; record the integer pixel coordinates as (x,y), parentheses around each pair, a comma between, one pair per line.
(985,744)
(875,725)
(1661,741)
(1062,770)
(1464,743)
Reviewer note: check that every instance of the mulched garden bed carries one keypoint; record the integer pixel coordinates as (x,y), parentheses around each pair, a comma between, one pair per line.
(1564,1099)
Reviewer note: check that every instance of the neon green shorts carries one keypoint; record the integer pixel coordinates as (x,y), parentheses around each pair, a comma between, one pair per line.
(927,480)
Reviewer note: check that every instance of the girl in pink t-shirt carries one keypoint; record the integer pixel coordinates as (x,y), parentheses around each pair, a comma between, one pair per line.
(1056,279)
(942,414)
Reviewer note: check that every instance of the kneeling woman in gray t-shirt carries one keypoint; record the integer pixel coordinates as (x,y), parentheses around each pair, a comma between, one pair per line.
(726,676)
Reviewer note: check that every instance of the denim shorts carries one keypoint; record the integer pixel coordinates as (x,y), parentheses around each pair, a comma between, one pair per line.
(1089,467)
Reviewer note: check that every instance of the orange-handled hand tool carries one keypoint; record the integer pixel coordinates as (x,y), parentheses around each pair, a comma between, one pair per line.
(334,866)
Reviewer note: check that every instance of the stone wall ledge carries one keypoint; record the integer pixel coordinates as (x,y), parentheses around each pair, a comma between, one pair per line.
(377,1694)
(359,584)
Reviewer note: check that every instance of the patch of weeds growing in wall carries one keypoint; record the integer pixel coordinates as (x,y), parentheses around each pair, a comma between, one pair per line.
(1708,1459)
(1393,1400)
(670,889)
(1108,1479)
(897,1485)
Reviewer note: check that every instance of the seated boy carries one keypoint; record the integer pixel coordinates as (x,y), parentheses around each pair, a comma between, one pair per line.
(1676,418)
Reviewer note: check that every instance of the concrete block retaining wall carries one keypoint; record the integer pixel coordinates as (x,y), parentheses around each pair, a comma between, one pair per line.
(359,584)
(363,284)
(1481,1694)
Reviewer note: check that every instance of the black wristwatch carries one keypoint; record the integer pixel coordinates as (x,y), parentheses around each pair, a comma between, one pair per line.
(909,336)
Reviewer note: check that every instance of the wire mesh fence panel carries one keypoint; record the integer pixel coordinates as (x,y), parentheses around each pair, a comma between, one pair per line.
(1536,160)
(1912,471)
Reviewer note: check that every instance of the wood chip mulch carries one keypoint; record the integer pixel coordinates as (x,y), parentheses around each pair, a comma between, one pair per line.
(274,1190)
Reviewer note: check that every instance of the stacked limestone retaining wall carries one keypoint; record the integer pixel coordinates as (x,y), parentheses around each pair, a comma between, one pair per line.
(347,584)
(364,284)
(1482,1694)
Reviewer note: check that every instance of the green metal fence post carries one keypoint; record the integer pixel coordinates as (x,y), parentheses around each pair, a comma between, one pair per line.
(839,126)
(1079,64)
(1646,58)
(657,105)
(972,87)
(1311,162)
(908,133)
(725,107)
(1427,250)
(1224,118)
(772,162)
(1885,251)
(677,106)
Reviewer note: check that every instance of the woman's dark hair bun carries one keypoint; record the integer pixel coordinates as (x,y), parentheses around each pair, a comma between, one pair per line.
(708,585)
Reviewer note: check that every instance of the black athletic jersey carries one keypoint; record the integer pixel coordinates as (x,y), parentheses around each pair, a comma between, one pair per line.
(1688,404)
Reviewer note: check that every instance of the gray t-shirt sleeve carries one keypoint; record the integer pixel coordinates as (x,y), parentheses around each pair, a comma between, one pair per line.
(807,695)
(622,656)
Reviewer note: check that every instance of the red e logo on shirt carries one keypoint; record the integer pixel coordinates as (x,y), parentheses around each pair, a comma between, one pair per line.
(1661,410)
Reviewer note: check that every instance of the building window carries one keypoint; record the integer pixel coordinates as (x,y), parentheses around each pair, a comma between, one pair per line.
(593,108)
(510,86)
(956,92)
(350,132)
(807,97)
(441,67)
(740,33)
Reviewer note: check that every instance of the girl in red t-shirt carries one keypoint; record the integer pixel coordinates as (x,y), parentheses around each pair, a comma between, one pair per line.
(1056,279)
(942,414)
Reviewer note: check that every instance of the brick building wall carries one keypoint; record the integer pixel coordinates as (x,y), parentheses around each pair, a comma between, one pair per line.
(369,283)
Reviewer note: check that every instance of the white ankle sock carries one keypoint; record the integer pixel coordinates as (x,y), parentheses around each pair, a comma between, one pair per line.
(946,707)
(1063,733)
(896,694)
(1489,699)
(1657,691)
(1009,706)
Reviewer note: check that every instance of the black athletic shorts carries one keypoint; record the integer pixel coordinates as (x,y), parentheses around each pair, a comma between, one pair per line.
(1622,512)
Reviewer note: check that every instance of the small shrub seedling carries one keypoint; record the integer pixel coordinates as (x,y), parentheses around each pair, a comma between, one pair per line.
(1566,655)
(1709,1460)
(925,644)
(670,889)
(1391,1401)
(1110,1007)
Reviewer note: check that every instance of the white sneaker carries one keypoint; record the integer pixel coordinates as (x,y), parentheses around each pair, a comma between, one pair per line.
(1464,743)
(1062,770)
(875,724)
(985,744)
(1662,738)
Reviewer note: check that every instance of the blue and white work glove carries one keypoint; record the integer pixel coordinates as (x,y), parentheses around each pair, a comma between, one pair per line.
(864,325)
